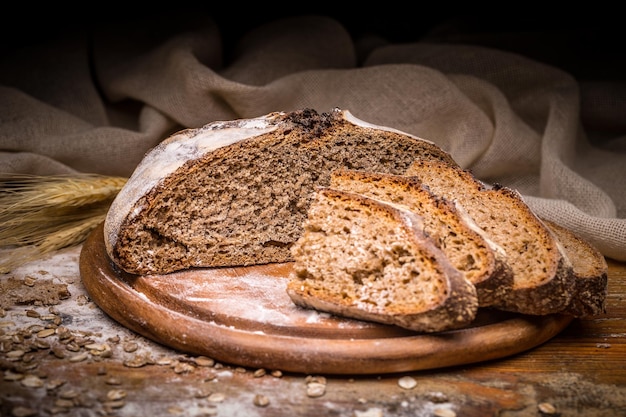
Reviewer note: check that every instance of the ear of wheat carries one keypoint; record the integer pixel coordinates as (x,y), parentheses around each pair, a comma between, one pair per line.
(41,214)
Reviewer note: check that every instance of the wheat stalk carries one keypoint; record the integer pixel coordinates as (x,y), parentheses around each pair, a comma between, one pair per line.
(41,214)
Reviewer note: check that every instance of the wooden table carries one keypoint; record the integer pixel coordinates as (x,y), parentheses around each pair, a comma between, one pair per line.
(61,355)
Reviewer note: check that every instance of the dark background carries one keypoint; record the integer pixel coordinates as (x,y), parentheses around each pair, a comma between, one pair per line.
(588,41)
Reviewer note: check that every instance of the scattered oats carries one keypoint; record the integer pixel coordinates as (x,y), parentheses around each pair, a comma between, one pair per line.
(114,404)
(7,323)
(210,377)
(217,397)
(130,347)
(370,412)
(175,410)
(21,411)
(41,344)
(97,346)
(63,332)
(546,408)
(104,352)
(12,376)
(204,361)
(45,333)
(114,339)
(79,357)
(28,357)
(444,412)
(30,366)
(54,384)
(312,378)
(57,410)
(112,380)
(49,317)
(240,370)
(164,361)
(5,345)
(436,397)
(58,352)
(260,400)
(72,347)
(82,299)
(315,389)
(82,341)
(29,281)
(207,412)
(137,362)
(64,403)
(33,313)
(407,382)
(203,393)
(259,373)
(34,328)
(68,394)
(3,312)
(32,381)
(183,368)
(116,394)
(15,354)
(277,374)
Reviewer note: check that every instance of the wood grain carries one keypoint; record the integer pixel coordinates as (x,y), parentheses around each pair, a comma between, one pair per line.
(243,316)
(581,372)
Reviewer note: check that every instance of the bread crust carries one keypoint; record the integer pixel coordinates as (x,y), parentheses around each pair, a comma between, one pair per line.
(590,273)
(324,285)
(453,231)
(235,193)
(543,277)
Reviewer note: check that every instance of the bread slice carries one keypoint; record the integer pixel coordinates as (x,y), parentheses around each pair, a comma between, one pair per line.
(590,271)
(367,259)
(543,277)
(236,193)
(464,244)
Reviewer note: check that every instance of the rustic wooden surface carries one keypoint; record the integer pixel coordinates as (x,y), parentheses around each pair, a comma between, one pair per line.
(243,316)
(61,355)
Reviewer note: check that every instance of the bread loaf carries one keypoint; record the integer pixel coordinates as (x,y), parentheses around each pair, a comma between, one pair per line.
(464,244)
(543,276)
(367,259)
(236,193)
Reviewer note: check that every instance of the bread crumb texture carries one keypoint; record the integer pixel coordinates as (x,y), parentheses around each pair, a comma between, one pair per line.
(245,203)
(367,259)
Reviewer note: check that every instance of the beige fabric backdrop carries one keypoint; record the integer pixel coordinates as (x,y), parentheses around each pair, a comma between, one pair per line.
(81,104)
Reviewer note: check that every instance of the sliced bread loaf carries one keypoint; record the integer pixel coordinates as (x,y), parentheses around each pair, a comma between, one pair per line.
(237,192)
(543,277)
(367,259)
(590,271)
(464,244)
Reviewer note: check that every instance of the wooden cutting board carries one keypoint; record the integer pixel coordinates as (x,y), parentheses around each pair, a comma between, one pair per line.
(243,316)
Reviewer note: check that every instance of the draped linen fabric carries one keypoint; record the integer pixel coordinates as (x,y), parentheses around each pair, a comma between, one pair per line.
(96,103)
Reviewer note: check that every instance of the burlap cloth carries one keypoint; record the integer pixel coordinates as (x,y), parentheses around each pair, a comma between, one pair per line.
(97,103)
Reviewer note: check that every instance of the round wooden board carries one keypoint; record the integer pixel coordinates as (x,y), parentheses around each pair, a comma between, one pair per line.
(243,316)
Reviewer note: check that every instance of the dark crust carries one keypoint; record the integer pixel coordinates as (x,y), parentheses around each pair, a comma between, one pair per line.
(554,296)
(555,292)
(590,293)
